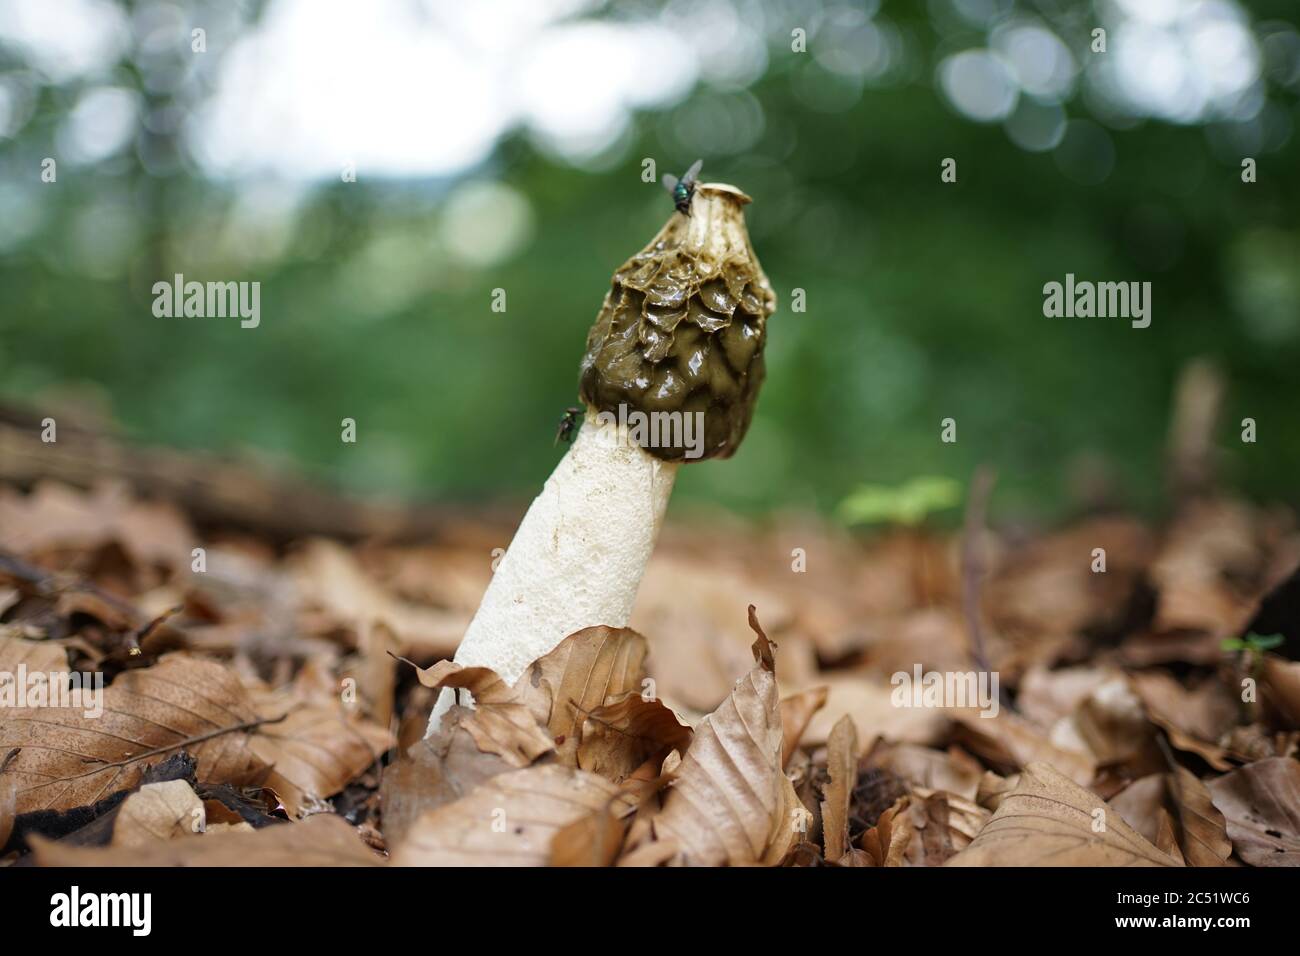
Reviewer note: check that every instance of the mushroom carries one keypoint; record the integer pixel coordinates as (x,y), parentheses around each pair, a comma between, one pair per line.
(672,369)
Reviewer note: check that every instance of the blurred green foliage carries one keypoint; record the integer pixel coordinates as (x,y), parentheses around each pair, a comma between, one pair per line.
(924,301)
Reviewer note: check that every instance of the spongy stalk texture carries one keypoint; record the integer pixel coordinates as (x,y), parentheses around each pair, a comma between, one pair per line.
(577,558)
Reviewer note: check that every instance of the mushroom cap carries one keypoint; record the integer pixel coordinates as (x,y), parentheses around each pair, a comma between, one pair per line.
(682,329)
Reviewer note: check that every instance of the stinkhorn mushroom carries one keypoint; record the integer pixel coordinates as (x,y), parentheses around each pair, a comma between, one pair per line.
(672,369)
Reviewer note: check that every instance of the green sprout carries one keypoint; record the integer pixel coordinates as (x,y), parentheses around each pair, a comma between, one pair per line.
(1253,643)
(1252,647)
(906,504)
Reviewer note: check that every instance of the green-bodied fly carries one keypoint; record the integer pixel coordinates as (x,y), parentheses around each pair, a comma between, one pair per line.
(683,189)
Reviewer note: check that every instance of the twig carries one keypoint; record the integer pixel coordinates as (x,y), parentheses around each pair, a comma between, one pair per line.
(200,738)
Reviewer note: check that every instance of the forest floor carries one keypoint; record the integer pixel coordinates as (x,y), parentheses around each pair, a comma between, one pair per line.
(264,701)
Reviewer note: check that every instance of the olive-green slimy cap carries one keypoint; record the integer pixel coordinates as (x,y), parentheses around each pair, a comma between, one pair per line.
(682,329)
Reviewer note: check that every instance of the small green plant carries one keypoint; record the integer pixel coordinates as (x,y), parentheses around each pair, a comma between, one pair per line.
(907,504)
(1252,648)
(1254,644)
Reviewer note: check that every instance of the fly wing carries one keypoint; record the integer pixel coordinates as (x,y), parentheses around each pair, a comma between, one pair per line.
(670,182)
(693,172)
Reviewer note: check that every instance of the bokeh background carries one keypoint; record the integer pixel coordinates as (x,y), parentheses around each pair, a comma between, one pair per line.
(501,145)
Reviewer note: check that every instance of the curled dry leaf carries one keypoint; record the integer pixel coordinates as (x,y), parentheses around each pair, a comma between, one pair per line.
(842,764)
(620,737)
(500,723)
(159,811)
(1050,821)
(732,803)
(320,840)
(1174,811)
(510,820)
(796,712)
(886,843)
(1192,719)
(587,670)
(1261,803)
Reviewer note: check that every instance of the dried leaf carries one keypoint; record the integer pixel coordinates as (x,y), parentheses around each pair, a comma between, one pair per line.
(315,752)
(1199,826)
(842,765)
(1010,742)
(621,736)
(732,803)
(501,721)
(954,771)
(159,811)
(1261,803)
(35,656)
(320,840)
(510,820)
(594,839)
(587,670)
(1050,821)
(797,711)
(886,843)
(71,760)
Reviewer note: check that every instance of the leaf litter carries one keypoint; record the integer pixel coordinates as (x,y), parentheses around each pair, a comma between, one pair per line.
(270,708)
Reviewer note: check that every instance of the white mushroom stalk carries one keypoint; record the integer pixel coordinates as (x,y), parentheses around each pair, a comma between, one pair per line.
(671,372)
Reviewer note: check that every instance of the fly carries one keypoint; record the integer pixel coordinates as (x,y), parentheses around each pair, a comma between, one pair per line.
(683,189)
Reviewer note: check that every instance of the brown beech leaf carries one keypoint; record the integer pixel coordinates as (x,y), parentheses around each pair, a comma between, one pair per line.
(68,759)
(885,844)
(621,736)
(315,752)
(1010,742)
(797,712)
(1166,840)
(1198,825)
(1180,803)
(36,656)
(1279,691)
(1048,820)
(731,802)
(1190,718)
(842,765)
(323,839)
(500,723)
(594,839)
(159,811)
(954,771)
(964,820)
(931,843)
(584,671)
(434,771)
(1261,803)
(510,820)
